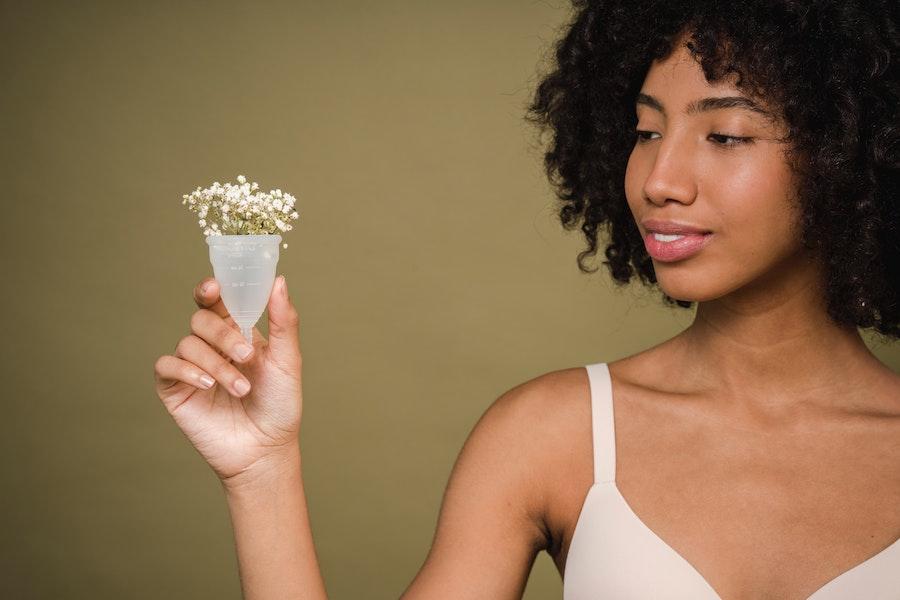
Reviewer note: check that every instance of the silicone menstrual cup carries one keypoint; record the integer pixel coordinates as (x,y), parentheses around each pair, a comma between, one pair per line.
(244,266)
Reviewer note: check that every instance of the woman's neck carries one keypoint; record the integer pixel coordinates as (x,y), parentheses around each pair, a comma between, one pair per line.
(773,353)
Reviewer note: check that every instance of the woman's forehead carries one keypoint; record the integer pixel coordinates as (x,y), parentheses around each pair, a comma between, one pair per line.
(682,68)
(677,84)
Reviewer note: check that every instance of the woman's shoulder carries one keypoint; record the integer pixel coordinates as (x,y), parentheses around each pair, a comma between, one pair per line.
(548,417)
(545,426)
(545,422)
(550,396)
(554,407)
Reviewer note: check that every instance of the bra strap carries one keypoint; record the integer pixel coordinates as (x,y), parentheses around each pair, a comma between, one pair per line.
(602,423)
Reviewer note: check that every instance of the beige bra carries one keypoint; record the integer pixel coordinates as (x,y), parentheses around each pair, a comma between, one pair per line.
(614,555)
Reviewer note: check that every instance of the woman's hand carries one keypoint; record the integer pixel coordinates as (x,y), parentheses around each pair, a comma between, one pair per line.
(239,433)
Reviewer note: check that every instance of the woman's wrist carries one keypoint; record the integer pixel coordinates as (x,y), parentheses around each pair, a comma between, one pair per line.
(266,472)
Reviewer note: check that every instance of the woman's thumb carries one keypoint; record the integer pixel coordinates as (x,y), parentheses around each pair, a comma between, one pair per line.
(284,324)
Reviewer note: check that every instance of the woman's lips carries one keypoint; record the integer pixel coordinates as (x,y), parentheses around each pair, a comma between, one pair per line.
(678,249)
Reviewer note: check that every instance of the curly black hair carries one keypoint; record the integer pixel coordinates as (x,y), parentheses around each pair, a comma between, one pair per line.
(828,67)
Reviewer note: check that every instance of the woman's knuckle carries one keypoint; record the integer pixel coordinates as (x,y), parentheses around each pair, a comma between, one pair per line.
(209,357)
(225,372)
(228,337)
(292,317)
(192,346)
(160,365)
(197,320)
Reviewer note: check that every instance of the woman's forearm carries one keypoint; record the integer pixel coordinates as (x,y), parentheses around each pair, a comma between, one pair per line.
(275,551)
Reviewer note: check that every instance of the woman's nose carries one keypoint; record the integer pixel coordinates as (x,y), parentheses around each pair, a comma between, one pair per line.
(672,175)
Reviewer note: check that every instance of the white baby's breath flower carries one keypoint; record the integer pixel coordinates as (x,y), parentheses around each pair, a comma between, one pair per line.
(241,209)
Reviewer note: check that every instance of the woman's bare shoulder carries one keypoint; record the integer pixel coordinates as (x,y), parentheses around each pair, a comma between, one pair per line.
(551,414)
(555,412)
(551,397)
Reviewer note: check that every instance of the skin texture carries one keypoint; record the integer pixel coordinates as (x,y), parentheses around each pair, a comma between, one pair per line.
(763,421)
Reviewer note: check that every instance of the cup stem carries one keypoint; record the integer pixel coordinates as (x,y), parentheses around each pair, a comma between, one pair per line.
(248,334)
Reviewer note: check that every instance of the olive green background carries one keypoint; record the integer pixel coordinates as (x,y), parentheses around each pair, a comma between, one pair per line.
(428,266)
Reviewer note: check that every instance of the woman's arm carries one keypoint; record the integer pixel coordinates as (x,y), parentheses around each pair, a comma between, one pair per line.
(491,523)
(489,530)
(276,556)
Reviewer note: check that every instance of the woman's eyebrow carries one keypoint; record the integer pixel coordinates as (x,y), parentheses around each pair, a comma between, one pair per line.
(706,104)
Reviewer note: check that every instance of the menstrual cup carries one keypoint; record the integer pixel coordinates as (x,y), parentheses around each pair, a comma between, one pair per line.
(244,266)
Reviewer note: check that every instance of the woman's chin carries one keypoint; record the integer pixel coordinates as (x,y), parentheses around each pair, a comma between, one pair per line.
(689,291)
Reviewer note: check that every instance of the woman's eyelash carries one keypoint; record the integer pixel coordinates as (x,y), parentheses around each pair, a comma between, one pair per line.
(736,139)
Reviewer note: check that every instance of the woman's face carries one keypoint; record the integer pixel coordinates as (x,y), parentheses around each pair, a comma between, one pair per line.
(695,167)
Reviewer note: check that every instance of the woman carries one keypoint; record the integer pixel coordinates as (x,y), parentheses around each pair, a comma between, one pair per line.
(740,156)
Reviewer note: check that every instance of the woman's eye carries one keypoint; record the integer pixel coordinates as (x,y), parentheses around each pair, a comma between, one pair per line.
(721,139)
(641,136)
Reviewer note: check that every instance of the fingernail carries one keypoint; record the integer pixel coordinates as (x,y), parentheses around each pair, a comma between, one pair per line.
(206,287)
(243,351)
(242,386)
(207,381)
